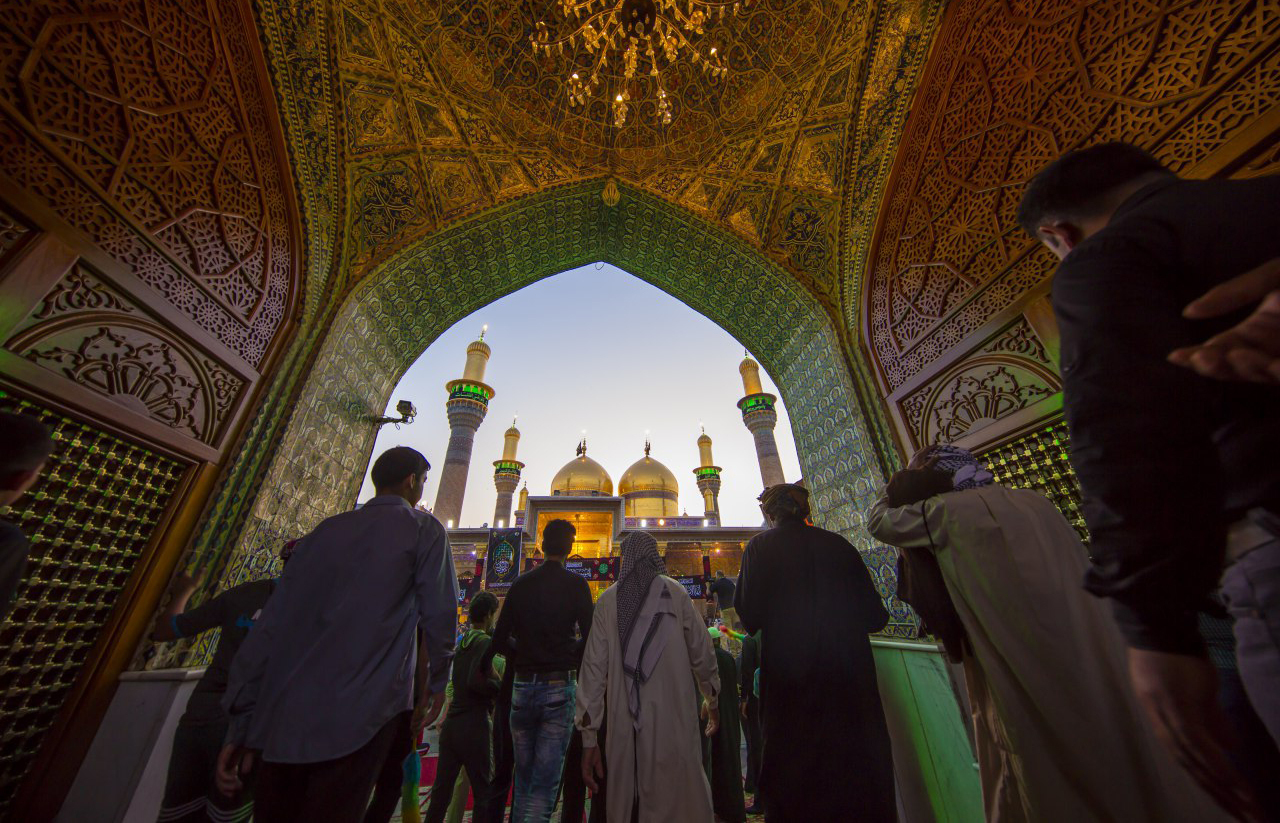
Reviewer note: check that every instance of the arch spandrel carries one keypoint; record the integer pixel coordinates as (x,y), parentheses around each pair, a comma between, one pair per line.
(954,315)
(396,312)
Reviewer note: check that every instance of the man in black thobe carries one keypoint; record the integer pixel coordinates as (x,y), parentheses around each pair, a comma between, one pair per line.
(826,743)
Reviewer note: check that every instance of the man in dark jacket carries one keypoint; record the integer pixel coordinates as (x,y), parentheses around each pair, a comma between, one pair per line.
(1179,475)
(467,733)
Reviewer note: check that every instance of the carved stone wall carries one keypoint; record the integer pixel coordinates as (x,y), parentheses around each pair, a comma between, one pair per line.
(1010,86)
(149,265)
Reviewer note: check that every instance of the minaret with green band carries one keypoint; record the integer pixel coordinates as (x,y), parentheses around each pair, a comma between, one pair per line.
(506,476)
(760,419)
(708,474)
(467,405)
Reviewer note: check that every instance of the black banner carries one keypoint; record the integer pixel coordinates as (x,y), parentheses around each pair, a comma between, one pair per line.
(604,569)
(696,586)
(502,558)
(596,568)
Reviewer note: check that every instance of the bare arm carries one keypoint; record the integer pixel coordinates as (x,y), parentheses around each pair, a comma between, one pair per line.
(184,585)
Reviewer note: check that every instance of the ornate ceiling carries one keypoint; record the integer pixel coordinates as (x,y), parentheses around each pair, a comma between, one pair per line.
(447,111)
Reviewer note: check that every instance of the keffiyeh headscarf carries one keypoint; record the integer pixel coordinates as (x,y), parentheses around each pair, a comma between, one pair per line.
(966,471)
(785,501)
(641,609)
(640,564)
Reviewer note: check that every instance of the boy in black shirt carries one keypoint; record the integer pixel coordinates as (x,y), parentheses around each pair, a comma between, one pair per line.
(190,793)
(467,733)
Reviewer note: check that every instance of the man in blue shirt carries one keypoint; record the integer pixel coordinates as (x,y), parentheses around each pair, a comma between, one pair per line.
(324,682)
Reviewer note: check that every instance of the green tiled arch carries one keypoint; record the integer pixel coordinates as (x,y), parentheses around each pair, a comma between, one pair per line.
(398,310)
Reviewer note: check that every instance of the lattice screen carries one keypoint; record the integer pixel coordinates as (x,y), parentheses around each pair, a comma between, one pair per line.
(1041,461)
(89,519)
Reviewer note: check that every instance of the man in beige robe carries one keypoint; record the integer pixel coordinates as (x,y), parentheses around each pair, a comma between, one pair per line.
(1059,733)
(647,647)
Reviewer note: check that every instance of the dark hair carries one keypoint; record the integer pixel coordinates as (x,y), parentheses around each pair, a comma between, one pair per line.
(24,444)
(482,605)
(394,465)
(913,485)
(557,538)
(1078,183)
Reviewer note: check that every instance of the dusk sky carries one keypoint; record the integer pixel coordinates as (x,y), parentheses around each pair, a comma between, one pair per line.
(596,349)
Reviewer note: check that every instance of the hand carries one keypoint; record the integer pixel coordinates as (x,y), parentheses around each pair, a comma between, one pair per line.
(742,709)
(592,768)
(922,461)
(233,763)
(426,711)
(1179,694)
(187,583)
(1249,350)
(712,716)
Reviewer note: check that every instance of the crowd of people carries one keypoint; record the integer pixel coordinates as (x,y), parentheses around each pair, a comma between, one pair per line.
(1136,678)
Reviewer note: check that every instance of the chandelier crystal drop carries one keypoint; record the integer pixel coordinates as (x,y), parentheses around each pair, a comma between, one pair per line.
(640,36)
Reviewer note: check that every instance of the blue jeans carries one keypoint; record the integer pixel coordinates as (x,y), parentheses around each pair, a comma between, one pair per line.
(541,725)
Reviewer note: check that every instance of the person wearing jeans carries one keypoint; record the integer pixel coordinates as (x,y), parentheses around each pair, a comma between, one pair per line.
(541,725)
(541,631)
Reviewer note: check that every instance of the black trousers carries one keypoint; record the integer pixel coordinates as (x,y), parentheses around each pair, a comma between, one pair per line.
(465,743)
(751,731)
(331,791)
(573,789)
(386,793)
(504,765)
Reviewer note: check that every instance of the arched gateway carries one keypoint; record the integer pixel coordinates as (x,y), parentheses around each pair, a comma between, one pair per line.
(395,312)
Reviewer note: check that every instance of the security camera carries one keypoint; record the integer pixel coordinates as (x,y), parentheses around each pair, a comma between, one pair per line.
(406,411)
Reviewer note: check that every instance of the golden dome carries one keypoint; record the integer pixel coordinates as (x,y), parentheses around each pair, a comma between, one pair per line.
(582,475)
(647,474)
(649,489)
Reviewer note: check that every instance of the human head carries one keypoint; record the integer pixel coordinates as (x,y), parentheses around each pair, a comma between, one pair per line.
(557,539)
(640,550)
(401,471)
(483,610)
(719,573)
(1074,196)
(785,501)
(25,445)
(965,470)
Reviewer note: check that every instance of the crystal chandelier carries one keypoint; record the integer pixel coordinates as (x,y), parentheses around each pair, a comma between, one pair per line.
(650,34)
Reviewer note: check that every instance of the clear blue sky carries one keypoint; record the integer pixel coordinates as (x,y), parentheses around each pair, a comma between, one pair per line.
(597,349)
